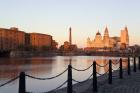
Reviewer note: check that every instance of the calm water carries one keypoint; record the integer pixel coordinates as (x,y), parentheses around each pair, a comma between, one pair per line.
(47,67)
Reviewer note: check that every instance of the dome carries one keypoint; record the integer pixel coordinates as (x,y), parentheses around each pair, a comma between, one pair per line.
(98,33)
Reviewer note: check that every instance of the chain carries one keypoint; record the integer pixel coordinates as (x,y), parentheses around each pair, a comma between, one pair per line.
(47,78)
(103,65)
(9,81)
(82,69)
(103,74)
(83,80)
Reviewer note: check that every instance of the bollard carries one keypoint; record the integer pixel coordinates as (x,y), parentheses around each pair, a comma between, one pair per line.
(121,71)
(128,68)
(94,77)
(134,64)
(139,62)
(22,83)
(110,72)
(69,83)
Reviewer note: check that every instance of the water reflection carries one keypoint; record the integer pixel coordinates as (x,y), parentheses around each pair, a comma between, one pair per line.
(47,67)
(12,67)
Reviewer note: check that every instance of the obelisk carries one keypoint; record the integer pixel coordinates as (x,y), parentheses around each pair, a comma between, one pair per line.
(70,36)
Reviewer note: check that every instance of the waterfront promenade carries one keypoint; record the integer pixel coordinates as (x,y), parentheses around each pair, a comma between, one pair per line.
(129,84)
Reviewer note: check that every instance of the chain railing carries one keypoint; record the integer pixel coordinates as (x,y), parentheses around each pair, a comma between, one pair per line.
(9,81)
(83,80)
(82,69)
(102,65)
(70,79)
(48,77)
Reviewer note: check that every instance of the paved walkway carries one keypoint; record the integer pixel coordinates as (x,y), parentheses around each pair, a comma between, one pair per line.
(129,84)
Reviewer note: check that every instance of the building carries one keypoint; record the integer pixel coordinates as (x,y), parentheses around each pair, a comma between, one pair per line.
(54,45)
(11,39)
(124,37)
(38,40)
(69,46)
(107,42)
(14,39)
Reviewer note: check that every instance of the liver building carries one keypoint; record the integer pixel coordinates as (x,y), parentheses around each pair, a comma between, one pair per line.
(109,42)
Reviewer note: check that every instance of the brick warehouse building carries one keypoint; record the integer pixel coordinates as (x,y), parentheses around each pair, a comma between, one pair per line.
(13,39)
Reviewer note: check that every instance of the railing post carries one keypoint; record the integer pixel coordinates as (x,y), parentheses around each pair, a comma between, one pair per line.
(135,64)
(121,71)
(110,72)
(128,68)
(69,83)
(139,62)
(94,77)
(22,87)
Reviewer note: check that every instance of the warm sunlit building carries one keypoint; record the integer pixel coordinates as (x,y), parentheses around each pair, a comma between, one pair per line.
(125,37)
(11,39)
(39,40)
(106,41)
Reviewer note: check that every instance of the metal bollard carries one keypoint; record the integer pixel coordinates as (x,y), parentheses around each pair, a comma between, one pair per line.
(135,70)
(139,62)
(22,87)
(121,71)
(94,77)
(69,84)
(128,68)
(110,72)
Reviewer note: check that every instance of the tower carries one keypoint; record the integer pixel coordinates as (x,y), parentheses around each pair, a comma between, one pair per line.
(125,37)
(106,38)
(70,36)
(106,34)
(88,42)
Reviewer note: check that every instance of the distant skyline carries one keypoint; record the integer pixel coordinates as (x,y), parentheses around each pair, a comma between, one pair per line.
(86,17)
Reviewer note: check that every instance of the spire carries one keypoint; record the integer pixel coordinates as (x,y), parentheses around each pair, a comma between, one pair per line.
(126,28)
(88,38)
(106,33)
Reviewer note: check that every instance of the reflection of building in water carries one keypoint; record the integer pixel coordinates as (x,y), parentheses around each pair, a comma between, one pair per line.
(125,63)
(31,66)
(41,66)
(106,41)
(102,62)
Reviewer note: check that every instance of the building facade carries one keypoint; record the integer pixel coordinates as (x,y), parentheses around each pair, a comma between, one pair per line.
(101,42)
(39,40)
(125,37)
(14,39)
(11,39)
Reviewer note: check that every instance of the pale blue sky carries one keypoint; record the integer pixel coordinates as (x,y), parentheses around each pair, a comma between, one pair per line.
(84,16)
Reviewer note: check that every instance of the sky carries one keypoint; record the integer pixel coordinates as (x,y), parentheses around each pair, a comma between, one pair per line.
(86,17)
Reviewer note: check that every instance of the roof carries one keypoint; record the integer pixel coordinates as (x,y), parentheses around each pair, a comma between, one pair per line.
(98,33)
